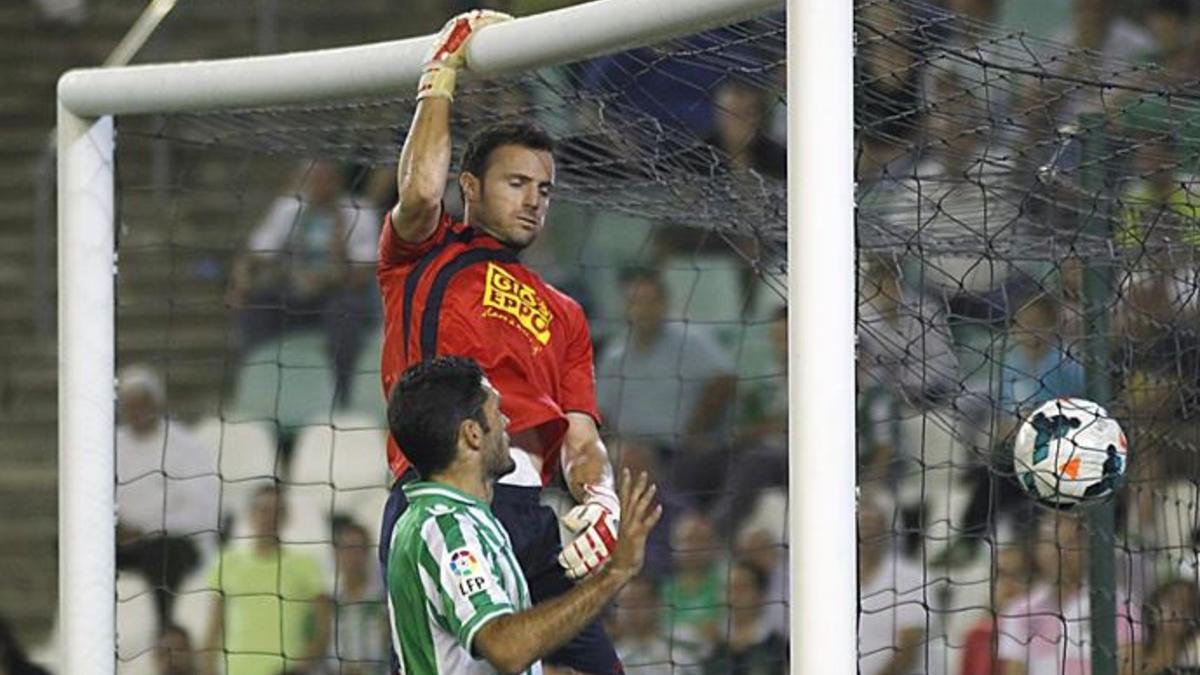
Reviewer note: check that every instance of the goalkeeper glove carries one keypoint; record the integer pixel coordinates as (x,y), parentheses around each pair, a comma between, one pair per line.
(595,521)
(449,52)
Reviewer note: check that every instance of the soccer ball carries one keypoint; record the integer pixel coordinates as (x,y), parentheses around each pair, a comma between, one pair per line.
(1070,451)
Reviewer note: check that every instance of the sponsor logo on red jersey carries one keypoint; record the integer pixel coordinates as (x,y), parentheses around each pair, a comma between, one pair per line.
(517,304)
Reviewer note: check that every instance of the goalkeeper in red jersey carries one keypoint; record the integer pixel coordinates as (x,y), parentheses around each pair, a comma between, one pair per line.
(459,288)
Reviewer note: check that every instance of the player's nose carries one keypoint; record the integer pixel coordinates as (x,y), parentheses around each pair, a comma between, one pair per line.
(532,198)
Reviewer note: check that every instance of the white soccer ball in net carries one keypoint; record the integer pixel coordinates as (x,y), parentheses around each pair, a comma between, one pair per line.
(1070,450)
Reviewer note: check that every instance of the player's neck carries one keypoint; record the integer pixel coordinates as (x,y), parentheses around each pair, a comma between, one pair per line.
(480,226)
(477,224)
(473,485)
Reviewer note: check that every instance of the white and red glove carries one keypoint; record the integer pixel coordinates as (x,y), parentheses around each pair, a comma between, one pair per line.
(449,52)
(596,522)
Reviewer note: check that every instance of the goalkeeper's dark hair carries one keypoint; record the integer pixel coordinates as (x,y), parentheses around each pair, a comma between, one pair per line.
(481,146)
(427,406)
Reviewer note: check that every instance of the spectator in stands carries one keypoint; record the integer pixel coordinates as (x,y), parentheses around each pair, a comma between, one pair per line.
(903,338)
(1172,634)
(168,489)
(638,457)
(1172,25)
(173,654)
(888,73)
(904,346)
(635,625)
(758,547)
(1037,366)
(361,634)
(751,647)
(1156,205)
(274,610)
(309,264)
(1154,406)
(739,117)
(763,414)
(1096,33)
(892,596)
(1010,581)
(1099,27)
(757,460)
(694,594)
(1043,631)
(976,58)
(13,660)
(664,382)
(1159,301)
(1160,290)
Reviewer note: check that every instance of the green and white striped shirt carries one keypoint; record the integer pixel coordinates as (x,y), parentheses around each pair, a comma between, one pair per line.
(451,569)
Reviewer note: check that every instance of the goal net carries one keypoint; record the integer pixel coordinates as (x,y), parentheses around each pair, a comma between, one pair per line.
(1025,231)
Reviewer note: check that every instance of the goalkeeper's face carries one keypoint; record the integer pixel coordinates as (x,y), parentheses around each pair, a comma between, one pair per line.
(510,201)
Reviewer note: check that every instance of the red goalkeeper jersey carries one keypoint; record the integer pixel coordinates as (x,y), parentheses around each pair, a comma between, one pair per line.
(462,292)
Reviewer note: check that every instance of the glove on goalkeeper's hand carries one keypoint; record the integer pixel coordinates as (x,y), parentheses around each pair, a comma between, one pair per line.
(596,521)
(449,51)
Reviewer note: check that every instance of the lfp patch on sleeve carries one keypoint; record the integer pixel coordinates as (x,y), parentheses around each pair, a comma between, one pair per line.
(470,572)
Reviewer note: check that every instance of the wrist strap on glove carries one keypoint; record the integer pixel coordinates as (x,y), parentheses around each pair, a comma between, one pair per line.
(437,82)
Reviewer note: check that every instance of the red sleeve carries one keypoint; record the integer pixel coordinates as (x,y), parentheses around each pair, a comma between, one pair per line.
(395,251)
(578,387)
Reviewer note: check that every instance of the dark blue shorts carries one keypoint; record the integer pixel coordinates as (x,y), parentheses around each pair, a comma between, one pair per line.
(533,529)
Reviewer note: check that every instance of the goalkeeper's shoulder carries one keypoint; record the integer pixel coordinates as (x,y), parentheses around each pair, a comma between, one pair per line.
(565,300)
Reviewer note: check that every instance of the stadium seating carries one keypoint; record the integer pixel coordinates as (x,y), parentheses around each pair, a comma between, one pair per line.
(288,381)
(248,459)
(336,469)
(137,629)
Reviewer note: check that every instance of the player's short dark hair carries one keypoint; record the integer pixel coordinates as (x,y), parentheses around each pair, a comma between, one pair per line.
(481,146)
(427,405)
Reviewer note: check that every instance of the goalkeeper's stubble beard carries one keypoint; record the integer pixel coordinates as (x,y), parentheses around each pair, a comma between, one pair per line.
(497,218)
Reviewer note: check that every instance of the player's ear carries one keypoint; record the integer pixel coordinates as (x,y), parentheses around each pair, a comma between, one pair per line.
(469,184)
(471,433)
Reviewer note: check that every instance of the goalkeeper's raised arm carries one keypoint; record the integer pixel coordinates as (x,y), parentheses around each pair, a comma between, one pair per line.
(424,164)
(458,287)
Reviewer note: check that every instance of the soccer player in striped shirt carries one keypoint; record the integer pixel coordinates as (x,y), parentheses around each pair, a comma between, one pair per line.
(457,599)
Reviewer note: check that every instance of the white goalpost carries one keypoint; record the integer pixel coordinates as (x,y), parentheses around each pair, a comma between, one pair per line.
(820,284)
(821,334)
